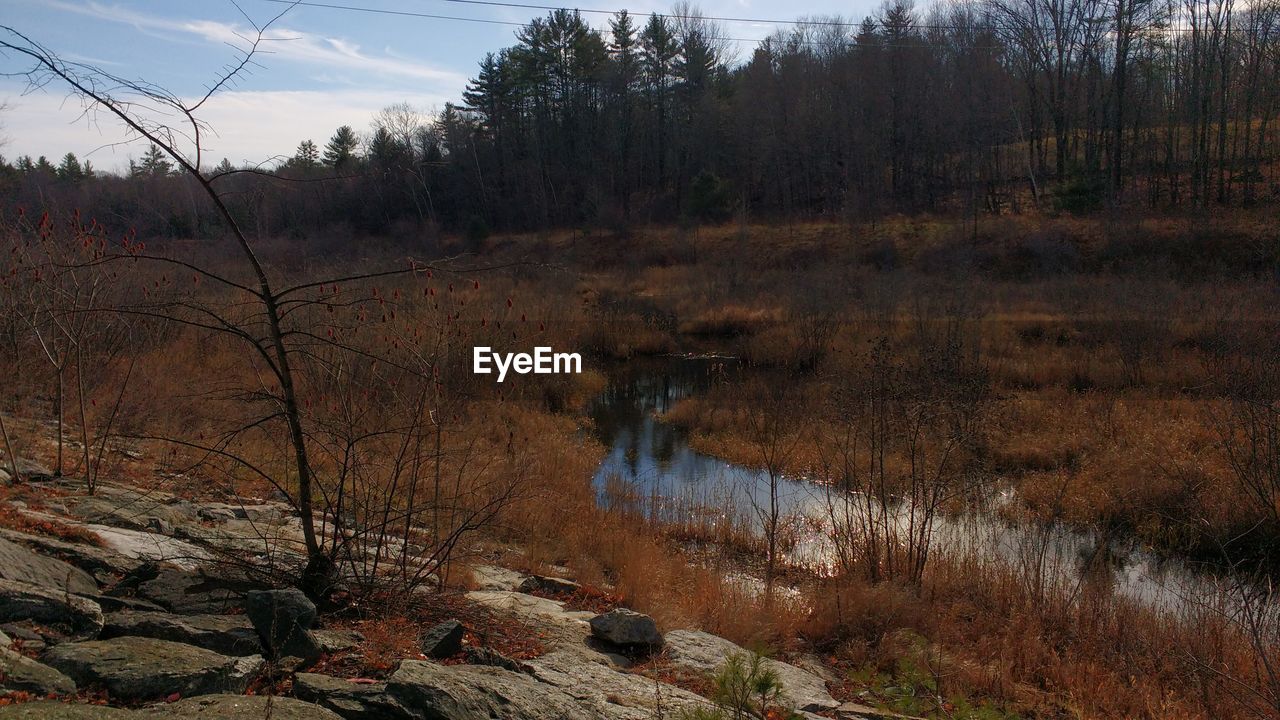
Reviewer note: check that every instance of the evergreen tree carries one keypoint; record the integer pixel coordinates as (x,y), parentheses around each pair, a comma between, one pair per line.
(307,156)
(340,151)
(153,164)
(70,170)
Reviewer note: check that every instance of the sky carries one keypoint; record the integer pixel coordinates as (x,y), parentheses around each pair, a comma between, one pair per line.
(319,68)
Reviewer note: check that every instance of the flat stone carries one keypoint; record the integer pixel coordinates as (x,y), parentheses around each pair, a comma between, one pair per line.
(492,577)
(627,628)
(226,634)
(20,673)
(24,601)
(20,564)
(91,559)
(337,640)
(550,585)
(134,668)
(468,692)
(351,700)
(5,641)
(704,652)
(54,710)
(194,592)
(241,707)
(150,547)
(609,692)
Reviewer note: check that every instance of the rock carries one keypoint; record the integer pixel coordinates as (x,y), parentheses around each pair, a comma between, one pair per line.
(467,692)
(353,701)
(332,641)
(184,591)
(492,577)
(24,601)
(550,585)
(112,603)
(53,710)
(20,564)
(283,620)
(627,628)
(95,560)
(159,525)
(5,641)
(704,652)
(30,639)
(20,673)
(443,640)
(610,693)
(150,547)
(134,668)
(241,707)
(493,658)
(215,514)
(858,711)
(226,634)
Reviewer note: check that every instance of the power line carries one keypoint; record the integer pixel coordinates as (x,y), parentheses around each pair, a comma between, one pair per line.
(677,16)
(431,16)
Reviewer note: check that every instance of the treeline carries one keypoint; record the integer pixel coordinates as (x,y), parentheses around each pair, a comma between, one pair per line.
(982,107)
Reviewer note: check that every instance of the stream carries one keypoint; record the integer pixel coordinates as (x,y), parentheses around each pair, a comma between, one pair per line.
(651,465)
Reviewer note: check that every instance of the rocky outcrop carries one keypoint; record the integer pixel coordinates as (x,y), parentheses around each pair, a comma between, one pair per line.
(21,673)
(191,592)
(466,692)
(283,619)
(226,634)
(134,668)
(206,707)
(704,652)
(24,601)
(99,562)
(241,707)
(53,710)
(626,628)
(351,700)
(22,565)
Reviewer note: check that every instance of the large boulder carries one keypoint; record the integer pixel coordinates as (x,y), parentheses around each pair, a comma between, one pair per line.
(607,692)
(20,564)
(24,601)
(241,707)
(351,700)
(283,619)
(134,668)
(466,692)
(627,628)
(20,673)
(704,652)
(226,634)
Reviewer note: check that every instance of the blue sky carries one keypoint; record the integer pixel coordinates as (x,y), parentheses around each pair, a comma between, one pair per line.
(324,67)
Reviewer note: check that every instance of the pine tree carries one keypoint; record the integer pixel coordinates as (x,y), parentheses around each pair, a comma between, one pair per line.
(70,170)
(153,164)
(307,156)
(340,151)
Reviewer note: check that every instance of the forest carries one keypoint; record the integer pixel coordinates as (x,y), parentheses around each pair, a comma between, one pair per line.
(981,108)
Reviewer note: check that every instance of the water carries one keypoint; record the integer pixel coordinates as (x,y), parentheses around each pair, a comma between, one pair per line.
(651,463)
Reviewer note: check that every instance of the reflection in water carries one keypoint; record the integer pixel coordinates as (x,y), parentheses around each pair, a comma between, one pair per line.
(651,466)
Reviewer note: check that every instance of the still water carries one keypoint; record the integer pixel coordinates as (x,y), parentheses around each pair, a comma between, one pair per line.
(651,465)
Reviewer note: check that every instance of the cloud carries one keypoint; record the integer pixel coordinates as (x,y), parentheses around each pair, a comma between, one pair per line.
(280,42)
(250,126)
